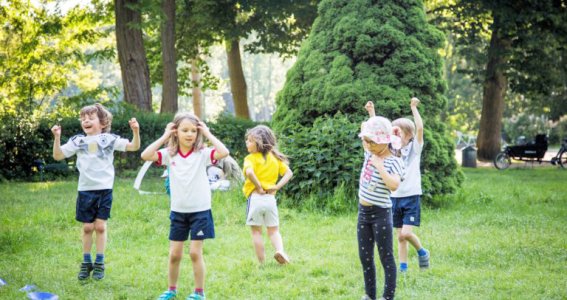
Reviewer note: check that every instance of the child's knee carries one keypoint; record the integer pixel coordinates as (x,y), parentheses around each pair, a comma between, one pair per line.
(88,228)
(100,227)
(273,230)
(196,254)
(175,257)
(403,236)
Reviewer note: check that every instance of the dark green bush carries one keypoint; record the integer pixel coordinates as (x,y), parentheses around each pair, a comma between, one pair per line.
(323,157)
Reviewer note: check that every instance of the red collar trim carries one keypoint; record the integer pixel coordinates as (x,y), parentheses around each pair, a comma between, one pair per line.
(185,155)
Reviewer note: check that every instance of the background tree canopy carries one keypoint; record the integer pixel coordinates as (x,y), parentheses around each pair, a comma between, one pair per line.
(361,51)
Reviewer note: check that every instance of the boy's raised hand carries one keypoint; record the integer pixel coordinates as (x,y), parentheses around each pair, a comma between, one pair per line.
(414,102)
(134,125)
(370,108)
(56,130)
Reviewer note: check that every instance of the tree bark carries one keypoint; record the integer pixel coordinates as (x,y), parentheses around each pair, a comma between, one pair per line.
(169,59)
(237,80)
(494,90)
(196,91)
(132,56)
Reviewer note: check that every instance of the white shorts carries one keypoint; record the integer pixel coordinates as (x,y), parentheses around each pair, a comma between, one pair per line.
(262,210)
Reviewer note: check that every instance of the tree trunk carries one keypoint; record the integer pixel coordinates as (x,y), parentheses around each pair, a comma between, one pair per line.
(237,80)
(494,90)
(196,91)
(169,59)
(132,56)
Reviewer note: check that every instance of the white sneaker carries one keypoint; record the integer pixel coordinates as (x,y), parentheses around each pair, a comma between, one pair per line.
(281,257)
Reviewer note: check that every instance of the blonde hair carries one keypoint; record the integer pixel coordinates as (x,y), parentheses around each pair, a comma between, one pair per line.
(173,144)
(406,125)
(266,142)
(104,116)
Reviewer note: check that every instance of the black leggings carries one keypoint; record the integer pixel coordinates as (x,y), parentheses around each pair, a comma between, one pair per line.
(375,226)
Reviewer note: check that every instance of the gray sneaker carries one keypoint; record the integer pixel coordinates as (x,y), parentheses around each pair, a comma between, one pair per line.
(365,297)
(424,260)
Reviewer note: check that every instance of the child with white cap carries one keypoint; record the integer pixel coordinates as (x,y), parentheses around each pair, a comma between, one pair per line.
(381,174)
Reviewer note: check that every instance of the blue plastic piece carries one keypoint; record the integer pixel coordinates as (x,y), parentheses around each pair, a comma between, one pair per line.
(42,296)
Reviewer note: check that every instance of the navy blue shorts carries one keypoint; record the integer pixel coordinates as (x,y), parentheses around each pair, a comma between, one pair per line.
(93,205)
(406,211)
(200,224)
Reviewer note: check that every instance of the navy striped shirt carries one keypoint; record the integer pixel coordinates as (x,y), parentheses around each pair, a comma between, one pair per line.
(372,188)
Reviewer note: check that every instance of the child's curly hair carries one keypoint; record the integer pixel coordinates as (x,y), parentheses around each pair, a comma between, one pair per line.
(265,140)
(173,145)
(104,116)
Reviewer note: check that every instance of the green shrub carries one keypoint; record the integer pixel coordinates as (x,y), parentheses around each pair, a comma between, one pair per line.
(323,157)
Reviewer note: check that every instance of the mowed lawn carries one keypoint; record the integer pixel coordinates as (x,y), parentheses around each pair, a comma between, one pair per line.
(503,236)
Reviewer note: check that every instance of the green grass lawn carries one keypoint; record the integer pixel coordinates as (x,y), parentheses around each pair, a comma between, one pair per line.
(502,237)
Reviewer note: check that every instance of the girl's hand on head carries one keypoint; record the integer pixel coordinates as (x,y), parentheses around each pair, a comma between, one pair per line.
(134,124)
(203,128)
(170,129)
(414,102)
(56,130)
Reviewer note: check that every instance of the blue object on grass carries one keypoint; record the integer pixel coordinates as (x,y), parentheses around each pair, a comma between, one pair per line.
(28,288)
(42,296)
(2,282)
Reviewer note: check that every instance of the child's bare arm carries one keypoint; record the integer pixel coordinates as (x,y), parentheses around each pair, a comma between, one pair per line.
(134,145)
(150,153)
(221,151)
(370,109)
(283,181)
(392,181)
(252,176)
(57,152)
(417,119)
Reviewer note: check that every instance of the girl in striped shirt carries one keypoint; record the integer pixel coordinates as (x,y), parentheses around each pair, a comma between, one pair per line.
(381,174)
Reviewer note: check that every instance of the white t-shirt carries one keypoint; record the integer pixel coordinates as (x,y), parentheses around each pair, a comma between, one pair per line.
(411,186)
(95,157)
(188,181)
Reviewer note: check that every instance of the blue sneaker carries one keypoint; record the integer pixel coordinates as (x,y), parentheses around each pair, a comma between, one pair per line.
(424,260)
(168,295)
(196,296)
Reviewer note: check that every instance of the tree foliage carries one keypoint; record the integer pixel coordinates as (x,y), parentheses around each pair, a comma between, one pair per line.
(44,52)
(361,51)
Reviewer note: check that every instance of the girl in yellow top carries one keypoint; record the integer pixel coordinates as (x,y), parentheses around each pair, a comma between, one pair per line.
(262,168)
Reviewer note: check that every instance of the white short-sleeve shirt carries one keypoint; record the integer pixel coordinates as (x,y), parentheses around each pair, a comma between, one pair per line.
(95,157)
(411,186)
(188,181)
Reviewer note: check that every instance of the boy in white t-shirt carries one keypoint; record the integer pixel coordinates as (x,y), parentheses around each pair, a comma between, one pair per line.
(95,156)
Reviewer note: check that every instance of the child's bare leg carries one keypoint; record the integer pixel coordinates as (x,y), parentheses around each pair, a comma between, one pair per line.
(258,243)
(87,236)
(100,228)
(276,238)
(199,270)
(408,235)
(402,247)
(175,254)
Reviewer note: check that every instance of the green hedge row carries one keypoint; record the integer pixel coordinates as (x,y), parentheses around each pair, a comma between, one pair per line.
(25,143)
